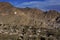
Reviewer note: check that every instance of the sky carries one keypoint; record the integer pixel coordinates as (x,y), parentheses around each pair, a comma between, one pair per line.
(40,4)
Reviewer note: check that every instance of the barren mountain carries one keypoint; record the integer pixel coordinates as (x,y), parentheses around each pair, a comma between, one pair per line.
(12,16)
(26,16)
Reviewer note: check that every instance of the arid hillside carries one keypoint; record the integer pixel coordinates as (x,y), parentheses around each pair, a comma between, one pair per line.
(25,21)
(26,16)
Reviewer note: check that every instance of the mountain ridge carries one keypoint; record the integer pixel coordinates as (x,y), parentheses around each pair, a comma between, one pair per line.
(26,16)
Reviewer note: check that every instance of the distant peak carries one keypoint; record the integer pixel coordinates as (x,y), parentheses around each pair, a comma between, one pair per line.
(5,4)
(52,11)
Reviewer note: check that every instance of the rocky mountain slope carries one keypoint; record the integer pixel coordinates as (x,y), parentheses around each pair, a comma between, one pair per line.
(26,16)
(13,17)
